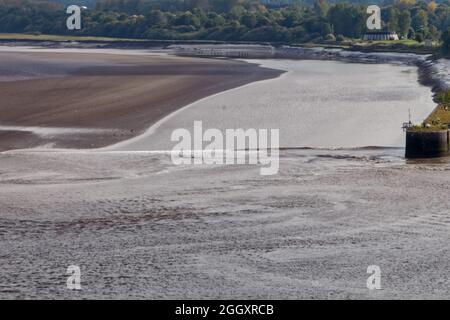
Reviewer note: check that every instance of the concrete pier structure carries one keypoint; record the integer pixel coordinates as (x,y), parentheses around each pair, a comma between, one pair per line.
(425,144)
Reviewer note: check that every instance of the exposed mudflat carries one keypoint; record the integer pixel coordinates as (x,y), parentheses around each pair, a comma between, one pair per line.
(121,92)
(140,228)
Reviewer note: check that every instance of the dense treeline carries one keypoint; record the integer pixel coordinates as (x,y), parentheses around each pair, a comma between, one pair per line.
(228,20)
(446,42)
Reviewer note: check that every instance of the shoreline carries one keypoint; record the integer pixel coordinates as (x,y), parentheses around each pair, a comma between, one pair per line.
(427,63)
(120,94)
(432,71)
(428,75)
(151,130)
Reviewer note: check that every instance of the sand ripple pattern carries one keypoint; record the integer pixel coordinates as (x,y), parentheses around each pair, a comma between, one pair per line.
(158,231)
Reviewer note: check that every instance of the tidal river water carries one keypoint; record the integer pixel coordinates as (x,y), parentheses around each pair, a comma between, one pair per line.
(316,104)
(140,227)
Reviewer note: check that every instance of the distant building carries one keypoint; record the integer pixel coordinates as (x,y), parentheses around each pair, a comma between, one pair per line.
(380,35)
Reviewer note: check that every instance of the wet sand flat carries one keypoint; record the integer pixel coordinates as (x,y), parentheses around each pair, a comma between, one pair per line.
(140,228)
(122,94)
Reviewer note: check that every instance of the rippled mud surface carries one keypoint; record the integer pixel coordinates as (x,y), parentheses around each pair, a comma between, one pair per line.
(140,227)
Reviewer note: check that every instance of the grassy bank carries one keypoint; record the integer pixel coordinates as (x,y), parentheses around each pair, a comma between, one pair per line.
(401,46)
(404,46)
(439,119)
(441,115)
(57,38)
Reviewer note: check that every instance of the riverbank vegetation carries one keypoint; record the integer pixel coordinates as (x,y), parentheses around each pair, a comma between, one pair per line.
(405,45)
(58,38)
(439,119)
(231,20)
(446,43)
(441,115)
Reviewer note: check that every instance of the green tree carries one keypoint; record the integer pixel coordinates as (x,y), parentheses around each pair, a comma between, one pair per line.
(392,19)
(446,42)
(411,33)
(156,18)
(227,20)
(223,5)
(404,23)
(420,21)
(237,12)
(433,33)
(187,19)
(321,7)
(201,4)
(347,20)
(214,20)
(249,20)
(419,37)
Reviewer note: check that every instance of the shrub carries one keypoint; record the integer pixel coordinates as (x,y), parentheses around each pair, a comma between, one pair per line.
(446,42)
(330,37)
(419,37)
(340,38)
(34,33)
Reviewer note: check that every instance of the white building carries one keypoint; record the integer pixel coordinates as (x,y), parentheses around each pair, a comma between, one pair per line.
(380,35)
